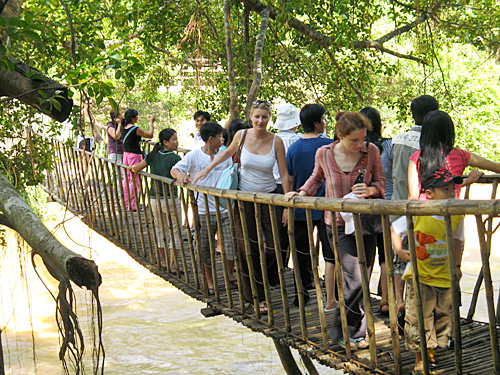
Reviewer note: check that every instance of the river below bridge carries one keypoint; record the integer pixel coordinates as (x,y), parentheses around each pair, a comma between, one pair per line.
(150,327)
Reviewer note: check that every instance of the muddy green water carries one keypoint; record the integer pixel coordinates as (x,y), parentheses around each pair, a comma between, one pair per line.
(149,326)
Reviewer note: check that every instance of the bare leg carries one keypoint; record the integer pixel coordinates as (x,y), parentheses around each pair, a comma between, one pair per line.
(331,301)
(163,257)
(230,269)
(419,364)
(383,287)
(208,275)
(399,285)
(173,256)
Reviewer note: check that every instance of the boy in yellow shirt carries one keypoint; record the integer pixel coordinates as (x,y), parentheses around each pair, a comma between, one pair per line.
(433,267)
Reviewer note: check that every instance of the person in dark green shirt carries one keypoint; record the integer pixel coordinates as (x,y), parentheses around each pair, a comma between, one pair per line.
(161,160)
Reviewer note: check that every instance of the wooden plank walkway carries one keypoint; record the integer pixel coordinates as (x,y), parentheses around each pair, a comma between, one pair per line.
(94,204)
(477,357)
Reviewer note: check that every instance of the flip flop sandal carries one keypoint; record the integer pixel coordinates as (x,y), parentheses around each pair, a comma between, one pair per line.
(263,309)
(331,309)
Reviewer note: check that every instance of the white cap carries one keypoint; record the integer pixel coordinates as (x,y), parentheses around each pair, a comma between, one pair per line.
(287,117)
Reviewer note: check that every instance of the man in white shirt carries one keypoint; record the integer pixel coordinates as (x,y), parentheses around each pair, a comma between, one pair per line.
(194,162)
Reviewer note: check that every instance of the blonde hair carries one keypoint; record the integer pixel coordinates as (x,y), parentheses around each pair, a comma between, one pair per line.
(261,104)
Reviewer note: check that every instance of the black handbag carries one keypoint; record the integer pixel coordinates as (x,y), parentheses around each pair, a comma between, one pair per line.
(371,224)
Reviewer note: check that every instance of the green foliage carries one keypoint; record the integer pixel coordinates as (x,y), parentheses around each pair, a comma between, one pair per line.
(169,58)
(24,155)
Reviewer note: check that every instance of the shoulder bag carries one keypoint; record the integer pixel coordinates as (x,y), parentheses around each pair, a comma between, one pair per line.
(229,177)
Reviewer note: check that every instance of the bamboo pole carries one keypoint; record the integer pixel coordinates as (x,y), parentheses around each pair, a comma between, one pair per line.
(212,248)
(112,226)
(143,193)
(124,206)
(296,273)
(83,172)
(365,283)
(59,171)
(286,357)
(479,281)
(171,231)
(97,200)
(281,268)
(196,225)
(223,252)
(263,263)
(393,319)
(455,290)
(130,211)
(319,292)
(60,188)
(112,208)
(155,183)
(162,223)
(488,284)
(309,364)
(75,180)
(72,178)
(138,210)
(237,260)
(339,279)
(117,194)
(80,187)
(248,253)
(185,208)
(418,297)
(181,241)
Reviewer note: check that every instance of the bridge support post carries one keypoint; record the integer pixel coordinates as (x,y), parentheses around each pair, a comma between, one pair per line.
(286,358)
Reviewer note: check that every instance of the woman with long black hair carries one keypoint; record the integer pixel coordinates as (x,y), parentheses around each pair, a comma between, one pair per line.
(131,138)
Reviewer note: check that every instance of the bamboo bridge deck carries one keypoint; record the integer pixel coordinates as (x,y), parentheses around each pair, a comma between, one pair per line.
(302,328)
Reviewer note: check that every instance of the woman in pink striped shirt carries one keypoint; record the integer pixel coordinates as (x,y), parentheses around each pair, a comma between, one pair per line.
(339,165)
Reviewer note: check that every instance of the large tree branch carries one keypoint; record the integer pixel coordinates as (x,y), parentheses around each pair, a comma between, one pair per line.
(63,262)
(257,71)
(3,3)
(327,41)
(33,88)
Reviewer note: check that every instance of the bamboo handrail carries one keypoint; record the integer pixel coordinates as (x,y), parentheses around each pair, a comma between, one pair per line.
(90,197)
(176,219)
(455,290)
(319,293)
(237,264)
(393,322)
(184,207)
(281,268)
(365,283)
(416,291)
(296,274)
(263,263)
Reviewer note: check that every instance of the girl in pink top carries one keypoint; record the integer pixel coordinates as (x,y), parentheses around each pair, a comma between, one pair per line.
(436,149)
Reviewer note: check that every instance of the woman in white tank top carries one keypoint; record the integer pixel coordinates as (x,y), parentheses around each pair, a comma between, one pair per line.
(261,150)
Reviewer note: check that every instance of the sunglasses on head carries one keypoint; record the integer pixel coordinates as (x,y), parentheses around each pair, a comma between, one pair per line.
(265,102)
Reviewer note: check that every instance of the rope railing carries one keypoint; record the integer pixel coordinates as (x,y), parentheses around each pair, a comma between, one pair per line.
(92,187)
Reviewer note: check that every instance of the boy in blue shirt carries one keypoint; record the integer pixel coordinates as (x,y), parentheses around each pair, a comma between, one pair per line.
(300,161)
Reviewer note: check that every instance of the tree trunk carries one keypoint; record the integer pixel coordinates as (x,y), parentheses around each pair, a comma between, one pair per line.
(17,84)
(61,262)
(233,103)
(257,64)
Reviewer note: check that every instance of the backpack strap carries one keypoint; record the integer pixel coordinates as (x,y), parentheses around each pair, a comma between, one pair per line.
(129,131)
